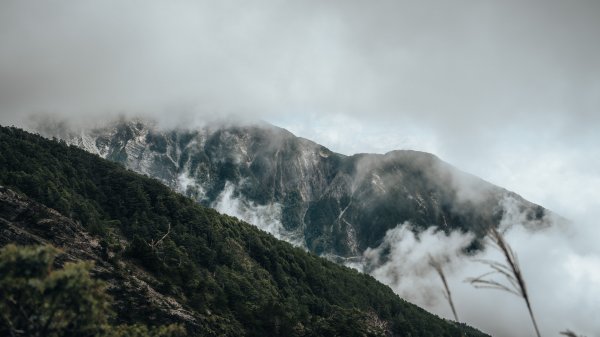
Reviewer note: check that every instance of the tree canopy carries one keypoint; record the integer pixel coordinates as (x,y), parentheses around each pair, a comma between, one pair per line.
(37,299)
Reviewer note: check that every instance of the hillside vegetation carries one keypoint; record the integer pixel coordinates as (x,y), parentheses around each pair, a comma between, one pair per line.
(239,279)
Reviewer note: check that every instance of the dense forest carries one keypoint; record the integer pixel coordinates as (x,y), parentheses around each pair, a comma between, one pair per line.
(247,281)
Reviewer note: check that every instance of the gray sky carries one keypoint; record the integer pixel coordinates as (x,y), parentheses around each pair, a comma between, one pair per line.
(488,85)
(507,90)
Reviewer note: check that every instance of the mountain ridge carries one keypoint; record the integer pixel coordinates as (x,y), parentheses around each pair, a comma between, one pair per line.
(234,278)
(300,191)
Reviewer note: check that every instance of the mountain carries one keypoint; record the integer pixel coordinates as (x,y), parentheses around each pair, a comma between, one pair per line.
(334,205)
(168,259)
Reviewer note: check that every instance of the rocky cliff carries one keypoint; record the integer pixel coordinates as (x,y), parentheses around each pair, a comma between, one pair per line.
(300,191)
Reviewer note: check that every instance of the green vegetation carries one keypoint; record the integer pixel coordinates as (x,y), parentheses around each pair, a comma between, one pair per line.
(38,300)
(250,283)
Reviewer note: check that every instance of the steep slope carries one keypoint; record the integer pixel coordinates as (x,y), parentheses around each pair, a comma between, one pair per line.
(27,222)
(169,259)
(332,204)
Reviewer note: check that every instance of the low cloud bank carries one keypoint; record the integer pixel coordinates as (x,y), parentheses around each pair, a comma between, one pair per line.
(562,276)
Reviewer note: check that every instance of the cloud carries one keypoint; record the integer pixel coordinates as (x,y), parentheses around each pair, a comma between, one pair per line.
(266,217)
(563,283)
(506,90)
(438,63)
(401,261)
(485,85)
(562,277)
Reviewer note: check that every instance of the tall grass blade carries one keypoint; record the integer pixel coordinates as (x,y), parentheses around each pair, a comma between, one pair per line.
(511,271)
(438,268)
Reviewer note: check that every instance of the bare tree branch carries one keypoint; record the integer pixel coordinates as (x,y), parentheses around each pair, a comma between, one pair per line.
(154,244)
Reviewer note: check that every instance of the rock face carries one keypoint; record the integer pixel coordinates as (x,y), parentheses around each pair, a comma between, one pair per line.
(26,222)
(332,204)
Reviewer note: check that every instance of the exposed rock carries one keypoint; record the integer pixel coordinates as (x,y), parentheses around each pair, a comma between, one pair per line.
(300,191)
(26,222)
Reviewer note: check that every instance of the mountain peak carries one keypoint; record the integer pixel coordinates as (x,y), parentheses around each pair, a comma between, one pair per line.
(299,190)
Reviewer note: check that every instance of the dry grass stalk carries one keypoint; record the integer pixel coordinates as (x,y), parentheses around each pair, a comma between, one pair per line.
(511,271)
(569,333)
(438,268)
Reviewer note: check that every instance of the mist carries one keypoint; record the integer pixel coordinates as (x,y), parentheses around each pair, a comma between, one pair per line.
(506,90)
(484,85)
(438,63)
(266,217)
(561,272)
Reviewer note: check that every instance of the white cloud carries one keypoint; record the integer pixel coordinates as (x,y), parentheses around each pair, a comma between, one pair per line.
(266,217)
(563,279)
(401,261)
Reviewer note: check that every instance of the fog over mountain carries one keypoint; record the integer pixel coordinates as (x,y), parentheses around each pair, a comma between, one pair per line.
(562,279)
(381,214)
(506,90)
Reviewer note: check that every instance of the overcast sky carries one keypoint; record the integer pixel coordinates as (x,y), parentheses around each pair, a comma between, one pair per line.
(507,90)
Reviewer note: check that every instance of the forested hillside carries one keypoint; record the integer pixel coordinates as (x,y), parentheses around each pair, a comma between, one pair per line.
(239,279)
